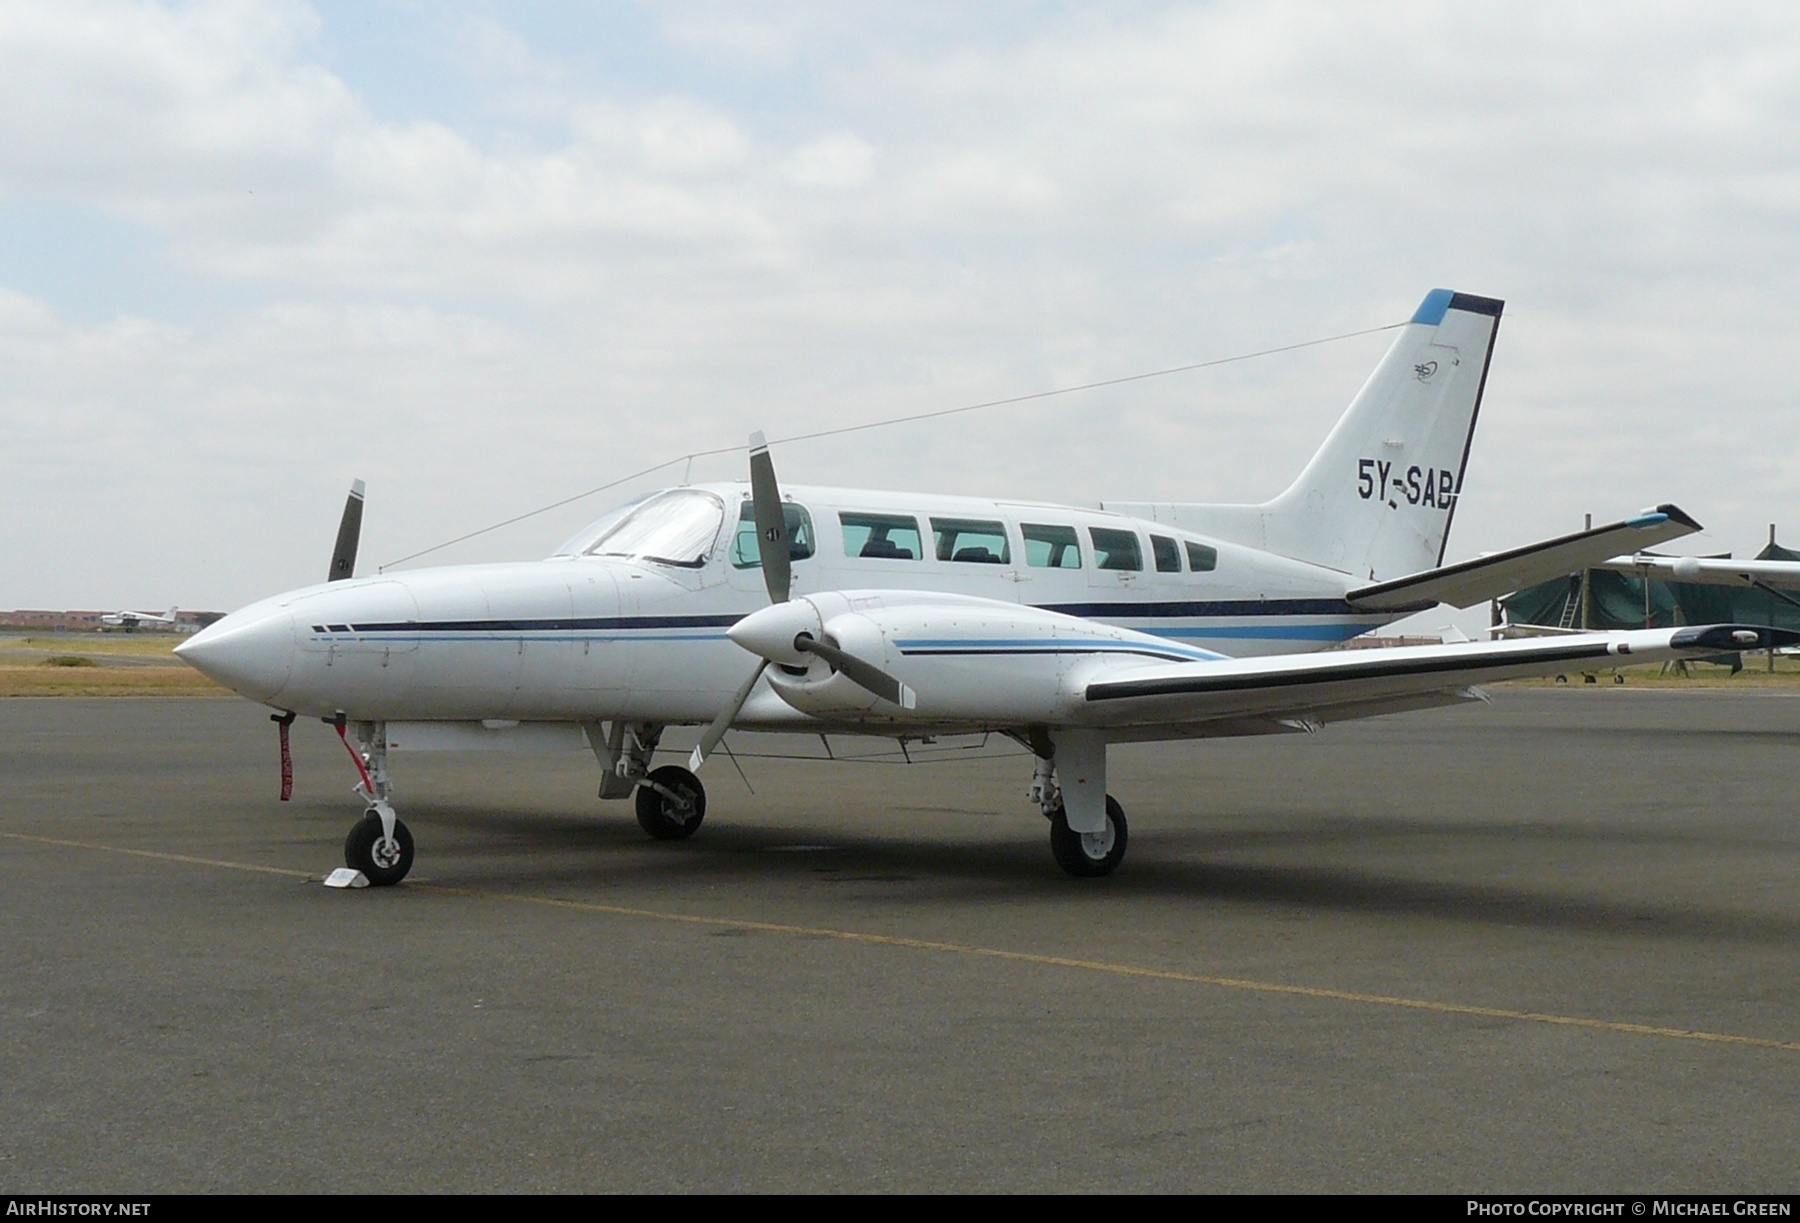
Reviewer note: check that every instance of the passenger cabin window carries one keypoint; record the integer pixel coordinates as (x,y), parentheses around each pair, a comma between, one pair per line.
(1050,547)
(673,528)
(971,540)
(1116,549)
(1168,555)
(1201,558)
(744,551)
(893,537)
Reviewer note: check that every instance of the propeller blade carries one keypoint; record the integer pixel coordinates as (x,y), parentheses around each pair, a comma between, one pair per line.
(771,523)
(716,731)
(865,674)
(343,557)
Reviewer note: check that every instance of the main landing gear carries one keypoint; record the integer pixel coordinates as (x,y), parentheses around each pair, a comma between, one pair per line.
(1093,843)
(1089,855)
(379,845)
(670,800)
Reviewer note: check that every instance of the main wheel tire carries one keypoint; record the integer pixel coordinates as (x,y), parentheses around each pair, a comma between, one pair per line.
(381,861)
(666,820)
(1089,855)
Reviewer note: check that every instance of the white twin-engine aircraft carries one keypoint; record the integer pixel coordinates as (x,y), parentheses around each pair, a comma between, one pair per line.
(836,611)
(129,620)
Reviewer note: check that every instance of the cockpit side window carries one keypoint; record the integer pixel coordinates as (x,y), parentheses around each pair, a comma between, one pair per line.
(893,537)
(1049,546)
(744,551)
(678,527)
(971,540)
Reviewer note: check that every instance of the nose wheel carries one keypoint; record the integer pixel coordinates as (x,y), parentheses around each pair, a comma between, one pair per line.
(1089,855)
(671,802)
(383,859)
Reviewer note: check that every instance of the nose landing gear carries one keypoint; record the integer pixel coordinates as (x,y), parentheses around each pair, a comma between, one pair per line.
(383,857)
(379,845)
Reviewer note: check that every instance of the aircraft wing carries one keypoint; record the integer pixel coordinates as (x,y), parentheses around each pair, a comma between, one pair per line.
(1360,683)
(1779,575)
(1470,582)
(979,663)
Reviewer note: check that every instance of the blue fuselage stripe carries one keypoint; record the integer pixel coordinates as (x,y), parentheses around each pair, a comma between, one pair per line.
(567,624)
(1342,623)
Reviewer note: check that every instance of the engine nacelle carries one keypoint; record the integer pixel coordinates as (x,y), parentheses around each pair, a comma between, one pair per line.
(967,659)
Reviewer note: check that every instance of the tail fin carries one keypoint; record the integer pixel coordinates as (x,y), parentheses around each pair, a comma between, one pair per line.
(1377,499)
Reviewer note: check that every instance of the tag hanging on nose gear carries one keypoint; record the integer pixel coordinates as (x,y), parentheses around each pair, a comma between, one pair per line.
(362,771)
(282,722)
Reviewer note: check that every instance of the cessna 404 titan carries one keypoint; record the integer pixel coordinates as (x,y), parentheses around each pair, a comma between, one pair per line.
(822,610)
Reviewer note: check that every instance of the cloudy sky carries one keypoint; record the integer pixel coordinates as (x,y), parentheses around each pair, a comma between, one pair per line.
(486,256)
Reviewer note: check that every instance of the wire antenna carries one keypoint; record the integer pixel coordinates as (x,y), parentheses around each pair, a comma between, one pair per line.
(689,457)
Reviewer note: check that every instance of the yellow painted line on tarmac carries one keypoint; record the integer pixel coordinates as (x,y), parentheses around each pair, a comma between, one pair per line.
(990,953)
(158,856)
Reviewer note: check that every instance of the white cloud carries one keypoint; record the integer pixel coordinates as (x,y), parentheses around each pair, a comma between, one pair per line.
(833,161)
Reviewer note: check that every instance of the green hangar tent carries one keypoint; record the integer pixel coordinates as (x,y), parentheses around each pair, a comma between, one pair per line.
(1603,599)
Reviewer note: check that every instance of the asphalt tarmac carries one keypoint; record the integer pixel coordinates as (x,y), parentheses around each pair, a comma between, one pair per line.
(1546,945)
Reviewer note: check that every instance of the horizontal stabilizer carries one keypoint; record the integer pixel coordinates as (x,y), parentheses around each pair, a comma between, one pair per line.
(1487,577)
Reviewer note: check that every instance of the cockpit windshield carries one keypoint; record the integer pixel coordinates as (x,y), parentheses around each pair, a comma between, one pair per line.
(585,538)
(677,527)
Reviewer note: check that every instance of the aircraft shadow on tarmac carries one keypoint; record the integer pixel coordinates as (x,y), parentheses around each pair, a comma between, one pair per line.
(532,851)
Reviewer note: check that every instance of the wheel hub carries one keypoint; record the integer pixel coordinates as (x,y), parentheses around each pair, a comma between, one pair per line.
(386,853)
(1097,845)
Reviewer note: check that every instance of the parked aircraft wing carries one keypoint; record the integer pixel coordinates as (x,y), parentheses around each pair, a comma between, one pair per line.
(1312,686)
(1709,571)
(1486,577)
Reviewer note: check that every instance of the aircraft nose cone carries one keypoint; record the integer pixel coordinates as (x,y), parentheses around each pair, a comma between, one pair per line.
(249,651)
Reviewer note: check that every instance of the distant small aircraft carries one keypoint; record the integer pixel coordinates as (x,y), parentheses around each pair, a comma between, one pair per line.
(1778,578)
(742,607)
(129,620)
(1773,577)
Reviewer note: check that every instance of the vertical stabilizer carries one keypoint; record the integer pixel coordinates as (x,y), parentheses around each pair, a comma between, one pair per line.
(1377,499)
